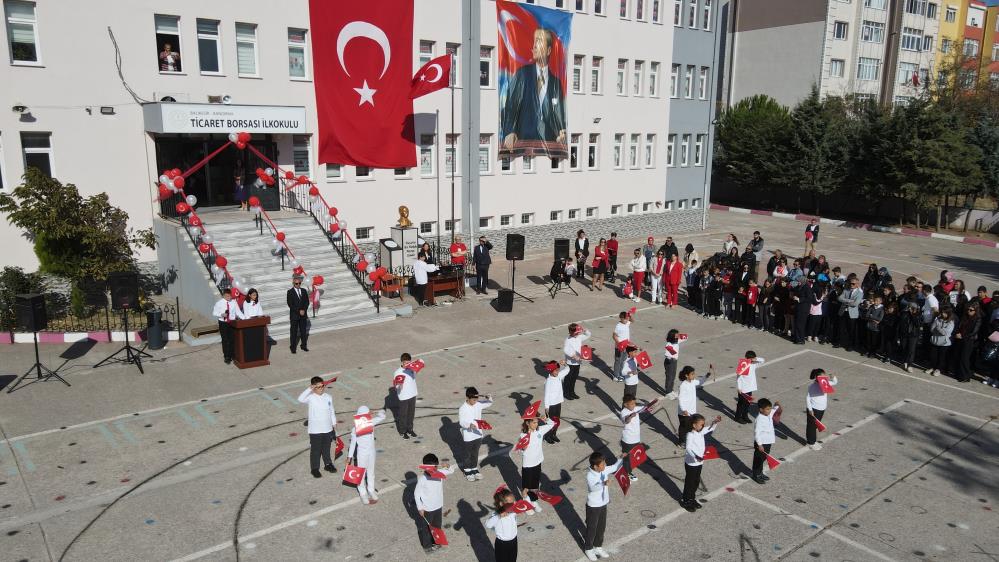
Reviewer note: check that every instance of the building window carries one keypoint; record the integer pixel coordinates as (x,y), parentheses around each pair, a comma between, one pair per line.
(298,64)
(615,210)
(670,149)
(426,52)
(598,7)
(699,150)
(618,151)
(912,39)
(684,150)
(593,152)
(840,30)
(555,216)
(654,79)
(674,81)
(167,42)
(591,212)
(971,47)
(683,204)
(650,151)
(2,174)
(688,86)
(577,73)
(485,222)
(868,68)
(924,77)
(527,218)
(692,15)
(872,32)
(706,15)
(506,164)
(527,162)
(908,72)
(485,160)
(632,208)
(560,4)
(657,12)
(506,220)
(902,101)
(486,67)
(452,49)
(246,49)
(363,233)
(362,172)
(622,71)
(22,31)
(450,224)
(636,78)
(993,79)
(702,83)
(595,81)
(950,16)
(427,227)
(917,7)
(633,150)
(945,45)
(931,11)
(574,139)
(837,67)
(623,11)
(995,50)
(334,172)
(696,203)
(876,4)
(428,159)
(209,46)
(640,10)
(646,207)
(927,43)
(401,173)
(301,155)
(668,206)
(967,79)
(574,214)
(677,12)
(449,154)
(37,149)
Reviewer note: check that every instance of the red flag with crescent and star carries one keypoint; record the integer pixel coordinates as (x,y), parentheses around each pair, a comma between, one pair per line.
(550,498)
(623,480)
(352,475)
(431,77)
(362,54)
(637,455)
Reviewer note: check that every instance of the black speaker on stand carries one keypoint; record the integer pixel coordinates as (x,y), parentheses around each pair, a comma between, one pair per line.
(514,253)
(32,317)
(561,249)
(124,289)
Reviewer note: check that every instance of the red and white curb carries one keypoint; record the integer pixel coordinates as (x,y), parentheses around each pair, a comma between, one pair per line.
(858,225)
(74,337)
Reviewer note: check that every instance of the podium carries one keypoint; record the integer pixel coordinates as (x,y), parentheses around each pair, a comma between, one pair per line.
(250,342)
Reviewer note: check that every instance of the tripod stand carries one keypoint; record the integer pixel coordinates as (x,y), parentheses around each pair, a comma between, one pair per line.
(37,372)
(560,279)
(513,283)
(132,355)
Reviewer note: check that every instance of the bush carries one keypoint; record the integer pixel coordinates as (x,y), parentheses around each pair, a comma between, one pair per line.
(14,281)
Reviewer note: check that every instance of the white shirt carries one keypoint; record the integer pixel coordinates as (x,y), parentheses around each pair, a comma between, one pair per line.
(221,306)
(467,414)
(420,270)
(695,446)
(747,383)
(408,385)
(929,306)
(597,482)
(816,399)
(533,455)
(251,310)
(763,431)
(429,492)
(676,350)
(505,527)
(687,399)
(631,433)
(623,331)
(364,444)
(638,264)
(322,416)
(553,388)
(573,347)
(629,371)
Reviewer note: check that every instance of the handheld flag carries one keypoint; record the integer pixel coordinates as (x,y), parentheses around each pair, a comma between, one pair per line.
(772,462)
(633,311)
(523,443)
(710,452)
(399,380)
(352,475)
(746,397)
(586,352)
(681,337)
(818,424)
(551,366)
(643,360)
(622,479)
(742,369)
(339,446)
(483,424)
(329,382)
(437,535)
(776,415)
(637,455)
(650,406)
(531,411)
(363,425)
(623,344)
(550,498)
(520,506)
(415,366)
(825,385)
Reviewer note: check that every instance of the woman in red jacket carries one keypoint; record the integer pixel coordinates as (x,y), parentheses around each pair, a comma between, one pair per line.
(673,276)
(601,262)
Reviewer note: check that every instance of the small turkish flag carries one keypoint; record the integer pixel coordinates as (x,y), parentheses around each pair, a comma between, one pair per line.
(437,475)
(550,498)
(681,337)
(331,381)
(586,352)
(398,380)
(632,311)
(772,462)
(551,366)
(339,446)
(710,452)
(627,290)
(818,424)
(483,424)
(671,349)
(353,475)
(557,421)
(622,478)
(438,535)
(824,384)
(415,366)
(520,506)
(643,360)
(742,369)
(363,425)
(776,415)
(746,397)
(622,345)
(427,467)
(637,455)
(532,411)
(651,405)
(808,235)
(433,76)
(523,443)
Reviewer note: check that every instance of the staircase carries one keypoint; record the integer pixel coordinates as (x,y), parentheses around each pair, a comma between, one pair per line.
(344,303)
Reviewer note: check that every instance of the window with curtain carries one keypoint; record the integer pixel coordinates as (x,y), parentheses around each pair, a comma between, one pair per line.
(22,31)
(246,49)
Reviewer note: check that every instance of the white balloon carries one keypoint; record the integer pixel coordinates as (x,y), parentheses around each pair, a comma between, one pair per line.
(207,238)
(314,198)
(258,183)
(269,171)
(255,210)
(191,200)
(419,241)
(233,137)
(371,268)
(342,223)
(194,230)
(370,258)
(357,258)
(294,264)
(216,269)
(165,180)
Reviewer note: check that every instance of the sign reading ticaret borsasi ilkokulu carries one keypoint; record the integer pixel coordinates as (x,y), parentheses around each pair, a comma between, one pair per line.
(219,118)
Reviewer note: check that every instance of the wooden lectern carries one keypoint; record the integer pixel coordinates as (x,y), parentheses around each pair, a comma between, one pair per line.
(251,342)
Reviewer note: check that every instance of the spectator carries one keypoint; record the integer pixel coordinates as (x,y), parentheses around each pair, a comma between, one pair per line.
(910,326)
(774,261)
(811,235)
(940,333)
(690,255)
(731,241)
(965,341)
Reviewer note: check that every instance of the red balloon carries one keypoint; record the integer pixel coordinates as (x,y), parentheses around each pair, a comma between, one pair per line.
(204,248)
(362,265)
(268,180)
(260,173)
(313,191)
(221,261)
(318,280)
(176,172)
(299,270)
(178,182)
(381,271)
(334,228)
(165,192)
(280,236)
(333,211)
(195,220)
(183,208)
(240,145)
(168,173)
(243,137)
(289,175)
(303,179)
(254,201)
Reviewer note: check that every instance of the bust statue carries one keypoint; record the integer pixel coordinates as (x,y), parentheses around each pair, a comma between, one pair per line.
(404,221)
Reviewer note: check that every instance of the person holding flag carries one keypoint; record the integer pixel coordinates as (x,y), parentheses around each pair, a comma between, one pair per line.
(686,406)
(597,498)
(622,333)
(529,443)
(362,450)
(573,349)
(321,424)
(504,522)
(631,433)
(629,372)
(472,427)
(815,403)
(404,382)
(553,395)
(745,373)
(429,497)
(693,459)
(763,438)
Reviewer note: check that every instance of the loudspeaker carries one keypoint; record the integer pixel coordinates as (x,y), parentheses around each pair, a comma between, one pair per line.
(504,303)
(561,249)
(31,315)
(124,290)
(514,247)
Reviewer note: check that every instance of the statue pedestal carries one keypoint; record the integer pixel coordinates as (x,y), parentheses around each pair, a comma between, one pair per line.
(407,245)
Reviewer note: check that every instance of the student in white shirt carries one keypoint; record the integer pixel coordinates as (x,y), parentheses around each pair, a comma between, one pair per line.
(468,414)
(672,352)
(225,311)
(251,306)
(420,270)
(638,267)
(429,497)
(572,349)
(622,332)
(362,450)
(631,432)
(553,395)
(693,459)
(815,404)
(406,393)
(629,372)
(322,424)
(533,456)
(504,523)
(686,405)
(763,437)
(598,478)
(747,386)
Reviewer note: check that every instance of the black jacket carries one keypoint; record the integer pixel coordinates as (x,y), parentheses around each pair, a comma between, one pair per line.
(582,250)
(669,250)
(297,301)
(481,258)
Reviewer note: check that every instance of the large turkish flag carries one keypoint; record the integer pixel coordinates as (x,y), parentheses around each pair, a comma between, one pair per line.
(363,62)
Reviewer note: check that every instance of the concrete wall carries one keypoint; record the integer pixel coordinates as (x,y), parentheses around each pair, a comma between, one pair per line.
(183,273)
(780,62)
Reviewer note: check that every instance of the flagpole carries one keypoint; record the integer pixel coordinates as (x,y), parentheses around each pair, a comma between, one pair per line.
(453,153)
(437,168)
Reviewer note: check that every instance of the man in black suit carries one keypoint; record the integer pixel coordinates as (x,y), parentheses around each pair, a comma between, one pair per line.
(481,259)
(535,108)
(298,307)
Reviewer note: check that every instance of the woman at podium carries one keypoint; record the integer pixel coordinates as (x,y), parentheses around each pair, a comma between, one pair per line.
(251,306)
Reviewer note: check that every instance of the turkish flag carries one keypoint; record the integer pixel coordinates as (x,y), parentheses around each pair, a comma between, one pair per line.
(710,452)
(532,411)
(637,455)
(523,443)
(643,360)
(557,421)
(483,424)
(632,311)
(623,344)
(363,425)
(437,475)
(427,467)
(651,405)
(331,381)
(520,506)
(353,475)
(818,424)
(398,380)
(823,382)
(772,462)
(551,366)
(776,416)
(742,369)
(339,446)
(415,366)
(586,352)
(681,337)
(362,54)
(550,498)
(438,535)
(671,349)
(622,478)
(746,397)
(431,77)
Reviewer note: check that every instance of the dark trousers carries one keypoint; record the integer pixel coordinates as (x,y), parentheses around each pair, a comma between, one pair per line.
(613,263)
(554,411)
(482,277)
(581,265)
(506,551)
(225,330)
(299,330)
(964,359)
(472,456)
(742,407)
(749,315)
(319,445)
(596,522)
(887,347)
(569,382)
(691,479)
(938,357)
(873,341)
(407,412)
(847,331)
(800,323)
(694,297)
(814,324)
(909,349)
(434,518)
(619,358)
(758,459)
(810,425)
(631,389)
(670,367)
(419,293)
(682,429)
(767,321)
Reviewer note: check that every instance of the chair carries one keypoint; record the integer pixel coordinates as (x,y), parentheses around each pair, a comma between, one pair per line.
(392,284)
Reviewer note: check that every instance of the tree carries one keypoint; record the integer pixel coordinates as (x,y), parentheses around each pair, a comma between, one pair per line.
(751,137)
(74,236)
(14,281)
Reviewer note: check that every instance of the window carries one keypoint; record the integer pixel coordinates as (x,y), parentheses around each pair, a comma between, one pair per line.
(995,50)
(428,158)
(401,173)
(636,78)
(967,79)
(297,63)
(927,43)
(640,10)
(2,175)
(706,15)
(555,216)
(901,101)
(452,49)
(301,155)
(527,218)
(450,224)
(334,172)
(618,151)
(209,47)
(560,4)
(650,151)
(449,154)
(623,11)
(577,73)
(670,148)
(945,45)
(924,76)
(674,81)
(615,210)
(668,206)
(527,162)
(598,7)
(836,67)
(574,139)
(654,79)
(683,204)
(485,161)
(364,233)
(993,79)
(573,214)
(506,220)
(702,83)
(593,152)
(931,11)
(427,227)
(506,165)
(486,67)
(840,30)
(581,5)
(633,150)
(692,15)
(971,47)
(556,164)
(699,150)
(912,39)
(677,13)
(657,12)
(426,52)
(688,86)
(646,207)
(591,212)
(868,68)
(950,16)
(595,81)
(906,72)
(485,222)
(246,49)
(632,208)
(362,172)
(876,4)
(917,7)
(685,150)
(37,149)
(696,203)
(872,32)
(167,42)
(622,70)
(22,31)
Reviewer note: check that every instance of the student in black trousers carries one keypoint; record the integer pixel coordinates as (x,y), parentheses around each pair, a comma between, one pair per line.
(225,311)
(482,261)
(298,308)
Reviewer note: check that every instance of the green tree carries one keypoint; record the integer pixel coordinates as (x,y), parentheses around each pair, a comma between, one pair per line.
(751,139)
(74,236)
(14,281)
